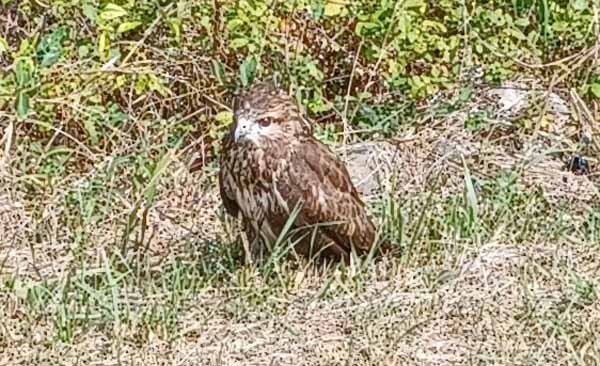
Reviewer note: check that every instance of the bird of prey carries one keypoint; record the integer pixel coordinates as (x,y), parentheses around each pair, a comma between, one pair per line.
(272,169)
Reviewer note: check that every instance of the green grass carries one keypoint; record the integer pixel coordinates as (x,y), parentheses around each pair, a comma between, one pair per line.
(112,252)
(135,254)
(174,291)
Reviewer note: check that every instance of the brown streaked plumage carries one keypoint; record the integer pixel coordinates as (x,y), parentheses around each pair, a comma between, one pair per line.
(271,162)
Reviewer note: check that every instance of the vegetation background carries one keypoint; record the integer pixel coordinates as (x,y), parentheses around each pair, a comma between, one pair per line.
(112,252)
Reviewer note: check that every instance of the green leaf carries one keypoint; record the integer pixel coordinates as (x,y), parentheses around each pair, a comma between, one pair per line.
(50,49)
(465,94)
(413,4)
(224,118)
(313,70)
(360,26)
(22,104)
(90,128)
(595,89)
(522,22)
(90,12)
(83,51)
(205,22)
(428,24)
(103,43)
(218,71)
(516,33)
(176,28)
(3,46)
(155,84)
(333,8)
(580,5)
(23,73)
(248,70)
(112,11)
(127,26)
(239,42)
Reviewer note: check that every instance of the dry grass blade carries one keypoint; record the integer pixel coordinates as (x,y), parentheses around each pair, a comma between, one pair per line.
(457,121)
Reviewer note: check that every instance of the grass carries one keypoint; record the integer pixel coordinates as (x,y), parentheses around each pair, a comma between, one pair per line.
(105,269)
(132,261)
(113,253)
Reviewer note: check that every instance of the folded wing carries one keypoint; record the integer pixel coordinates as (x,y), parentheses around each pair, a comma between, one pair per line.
(321,182)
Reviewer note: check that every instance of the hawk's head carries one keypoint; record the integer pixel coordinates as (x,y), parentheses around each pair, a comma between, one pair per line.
(265,113)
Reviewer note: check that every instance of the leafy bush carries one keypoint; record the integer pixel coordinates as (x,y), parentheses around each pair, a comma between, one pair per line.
(95,65)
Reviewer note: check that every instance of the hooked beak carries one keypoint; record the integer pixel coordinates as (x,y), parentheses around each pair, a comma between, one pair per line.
(242,128)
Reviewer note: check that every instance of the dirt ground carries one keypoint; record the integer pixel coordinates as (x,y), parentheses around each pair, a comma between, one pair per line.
(516,287)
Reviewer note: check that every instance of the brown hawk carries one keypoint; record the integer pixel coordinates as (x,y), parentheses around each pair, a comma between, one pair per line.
(272,166)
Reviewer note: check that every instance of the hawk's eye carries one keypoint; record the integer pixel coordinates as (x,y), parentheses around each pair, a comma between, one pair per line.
(264,122)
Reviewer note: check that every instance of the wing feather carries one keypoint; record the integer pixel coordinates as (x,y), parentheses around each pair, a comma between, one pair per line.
(231,207)
(321,181)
